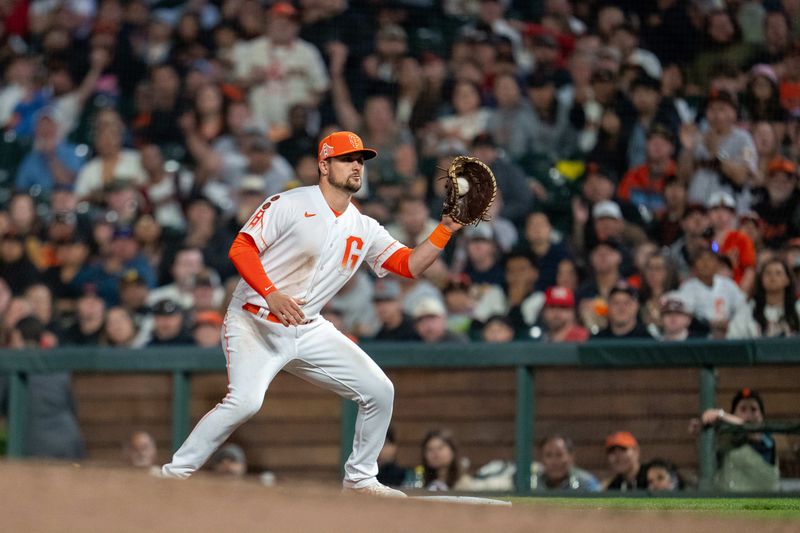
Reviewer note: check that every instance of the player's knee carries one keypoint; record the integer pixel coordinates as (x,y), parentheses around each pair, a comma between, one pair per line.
(383,395)
(247,406)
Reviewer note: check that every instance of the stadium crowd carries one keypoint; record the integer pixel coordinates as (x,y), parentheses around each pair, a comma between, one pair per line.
(645,153)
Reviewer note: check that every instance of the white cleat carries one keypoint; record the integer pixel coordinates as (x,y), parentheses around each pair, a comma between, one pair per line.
(376,489)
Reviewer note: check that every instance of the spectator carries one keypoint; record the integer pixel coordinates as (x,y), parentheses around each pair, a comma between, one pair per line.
(547,251)
(442,462)
(497,329)
(558,470)
(644,184)
(511,180)
(280,69)
(52,428)
(206,329)
(510,125)
(662,476)
(653,110)
(666,228)
(91,317)
(552,136)
(396,325)
(52,160)
(229,461)
(622,453)
(112,161)
(721,160)
(483,264)
(559,317)
(413,221)
(524,301)
(15,266)
(169,326)
(605,260)
(186,266)
(747,461)
(468,120)
(658,278)
(140,451)
(778,202)
(774,310)
(697,235)
(430,322)
(119,329)
(390,473)
(623,315)
(714,298)
(675,318)
(732,243)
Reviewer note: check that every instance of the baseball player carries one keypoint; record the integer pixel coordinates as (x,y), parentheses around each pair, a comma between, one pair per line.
(294,254)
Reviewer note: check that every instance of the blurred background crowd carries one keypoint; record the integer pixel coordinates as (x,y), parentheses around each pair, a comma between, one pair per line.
(645,152)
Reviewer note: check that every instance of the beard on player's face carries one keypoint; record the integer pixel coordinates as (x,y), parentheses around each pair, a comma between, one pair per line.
(344,174)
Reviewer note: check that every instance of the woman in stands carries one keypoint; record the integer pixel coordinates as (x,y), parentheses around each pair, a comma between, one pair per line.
(774,310)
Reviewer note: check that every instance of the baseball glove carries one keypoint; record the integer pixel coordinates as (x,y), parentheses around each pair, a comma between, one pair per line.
(470,190)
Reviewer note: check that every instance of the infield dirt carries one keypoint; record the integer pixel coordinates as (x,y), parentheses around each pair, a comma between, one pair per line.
(64,498)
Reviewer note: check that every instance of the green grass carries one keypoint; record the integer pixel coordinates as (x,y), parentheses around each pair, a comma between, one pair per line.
(780,508)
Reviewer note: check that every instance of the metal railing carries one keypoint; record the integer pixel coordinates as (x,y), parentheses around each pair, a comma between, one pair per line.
(524,357)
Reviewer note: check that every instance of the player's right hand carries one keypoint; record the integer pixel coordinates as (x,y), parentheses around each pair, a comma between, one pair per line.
(286,308)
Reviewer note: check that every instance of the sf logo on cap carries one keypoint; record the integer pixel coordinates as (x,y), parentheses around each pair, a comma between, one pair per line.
(326,151)
(354,140)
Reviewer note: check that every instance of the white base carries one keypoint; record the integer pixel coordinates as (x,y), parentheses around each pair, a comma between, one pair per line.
(470,500)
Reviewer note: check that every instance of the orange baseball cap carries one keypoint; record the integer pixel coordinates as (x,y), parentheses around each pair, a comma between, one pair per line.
(341,143)
(622,439)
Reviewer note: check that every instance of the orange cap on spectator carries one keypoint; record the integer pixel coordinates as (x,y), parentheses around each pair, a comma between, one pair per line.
(341,143)
(283,9)
(621,439)
(781,164)
(211,318)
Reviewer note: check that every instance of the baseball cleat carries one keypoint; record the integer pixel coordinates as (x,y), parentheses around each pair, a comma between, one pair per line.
(377,489)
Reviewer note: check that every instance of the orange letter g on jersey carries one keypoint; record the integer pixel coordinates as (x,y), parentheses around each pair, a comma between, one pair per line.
(352,251)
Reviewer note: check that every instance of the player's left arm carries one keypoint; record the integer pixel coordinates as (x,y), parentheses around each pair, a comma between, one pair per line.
(411,262)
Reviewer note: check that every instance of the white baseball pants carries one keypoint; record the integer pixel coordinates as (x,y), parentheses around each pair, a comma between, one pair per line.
(317,352)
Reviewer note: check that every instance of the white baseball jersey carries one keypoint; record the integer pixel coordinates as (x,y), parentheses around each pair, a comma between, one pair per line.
(308,252)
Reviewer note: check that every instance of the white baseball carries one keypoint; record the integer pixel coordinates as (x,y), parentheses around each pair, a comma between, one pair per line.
(463,186)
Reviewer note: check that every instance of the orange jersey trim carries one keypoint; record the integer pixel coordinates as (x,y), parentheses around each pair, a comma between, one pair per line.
(398,263)
(244,256)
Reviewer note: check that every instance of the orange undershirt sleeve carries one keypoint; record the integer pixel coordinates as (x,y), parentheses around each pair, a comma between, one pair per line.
(244,256)
(398,263)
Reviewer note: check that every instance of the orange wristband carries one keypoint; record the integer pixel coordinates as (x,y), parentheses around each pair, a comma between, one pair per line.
(440,236)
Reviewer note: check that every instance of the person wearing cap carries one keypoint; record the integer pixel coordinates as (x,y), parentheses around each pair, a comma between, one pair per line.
(713,298)
(778,202)
(169,325)
(396,325)
(623,457)
(774,310)
(430,322)
(623,315)
(697,234)
(747,461)
(264,163)
(207,292)
(52,160)
(280,69)
(206,329)
(559,317)
(644,184)
(666,228)
(297,251)
(675,318)
(722,159)
(497,329)
(483,263)
(732,243)
(605,259)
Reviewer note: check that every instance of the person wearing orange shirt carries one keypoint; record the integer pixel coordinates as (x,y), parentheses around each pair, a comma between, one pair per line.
(732,243)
